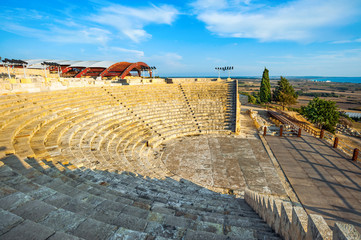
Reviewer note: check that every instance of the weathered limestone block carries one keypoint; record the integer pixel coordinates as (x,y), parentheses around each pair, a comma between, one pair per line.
(269,215)
(7,86)
(261,205)
(249,196)
(254,200)
(277,204)
(264,209)
(257,203)
(299,223)
(317,228)
(286,219)
(343,231)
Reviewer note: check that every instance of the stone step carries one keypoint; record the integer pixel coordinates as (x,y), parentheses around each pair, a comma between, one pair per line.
(127,190)
(181,198)
(79,207)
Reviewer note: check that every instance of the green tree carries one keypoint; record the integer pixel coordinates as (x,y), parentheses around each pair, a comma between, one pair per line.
(284,93)
(252,99)
(322,112)
(265,89)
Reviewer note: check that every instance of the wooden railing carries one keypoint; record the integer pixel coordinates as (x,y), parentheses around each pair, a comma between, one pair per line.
(336,142)
(310,130)
(282,119)
(297,125)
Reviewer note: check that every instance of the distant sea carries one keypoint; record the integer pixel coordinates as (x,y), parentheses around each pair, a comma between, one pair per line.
(330,79)
(310,78)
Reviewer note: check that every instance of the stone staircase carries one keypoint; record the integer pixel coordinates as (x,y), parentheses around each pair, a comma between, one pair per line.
(85,163)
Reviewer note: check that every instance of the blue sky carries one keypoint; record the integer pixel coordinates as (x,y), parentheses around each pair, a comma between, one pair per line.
(187,38)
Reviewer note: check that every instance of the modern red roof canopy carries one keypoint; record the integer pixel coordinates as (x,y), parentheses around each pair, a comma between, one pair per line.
(93,68)
(123,69)
(119,69)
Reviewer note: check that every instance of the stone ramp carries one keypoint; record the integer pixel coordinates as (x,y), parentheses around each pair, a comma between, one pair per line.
(326,182)
(42,202)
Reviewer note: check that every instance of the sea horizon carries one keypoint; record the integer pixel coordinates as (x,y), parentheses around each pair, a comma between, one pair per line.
(309,78)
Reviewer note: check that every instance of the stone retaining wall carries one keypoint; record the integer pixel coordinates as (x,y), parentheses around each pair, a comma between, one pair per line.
(40,84)
(291,221)
(191,80)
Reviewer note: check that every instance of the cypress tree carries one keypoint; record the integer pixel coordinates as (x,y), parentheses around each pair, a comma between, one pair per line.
(265,89)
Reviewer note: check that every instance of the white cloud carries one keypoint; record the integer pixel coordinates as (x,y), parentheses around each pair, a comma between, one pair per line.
(166,62)
(107,23)
(115,53)
(87,35)
(209,4)
(40,25)
(322,63)
(214,60)
(299,20)
(347,41)
(131,21)
(135,53)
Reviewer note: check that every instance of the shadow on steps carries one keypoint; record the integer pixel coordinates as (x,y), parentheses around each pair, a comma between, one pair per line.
(44,200)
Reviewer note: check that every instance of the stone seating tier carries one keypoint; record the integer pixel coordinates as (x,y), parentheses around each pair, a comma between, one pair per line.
(71,110)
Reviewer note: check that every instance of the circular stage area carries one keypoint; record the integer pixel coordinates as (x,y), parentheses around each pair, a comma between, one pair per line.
(222,163)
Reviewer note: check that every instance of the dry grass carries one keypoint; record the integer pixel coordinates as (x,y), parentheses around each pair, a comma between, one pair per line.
(357,126)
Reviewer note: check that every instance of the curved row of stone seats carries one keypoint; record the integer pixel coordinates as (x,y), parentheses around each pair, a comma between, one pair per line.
(129,133)
(29,110)
(59,204)
(134,96)
(155,99)
(86,127)
(45,141)
(25,134)
(163,109)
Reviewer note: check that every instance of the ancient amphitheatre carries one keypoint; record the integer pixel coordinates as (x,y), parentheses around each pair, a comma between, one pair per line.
(88,159)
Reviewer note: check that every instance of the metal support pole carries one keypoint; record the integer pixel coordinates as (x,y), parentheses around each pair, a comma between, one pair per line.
(8,71)
(24,67)
(355,154)
(281,130)
(322,134)
(299,132)
(264,131)
(45,71)
(335,143)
